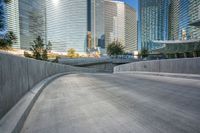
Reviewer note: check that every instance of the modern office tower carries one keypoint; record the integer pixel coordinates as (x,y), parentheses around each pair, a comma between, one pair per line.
(179,19)
(67,24)
(194,12)
(120,24)
(9,19)
(153,19)
(32,21)
(75,24)
(130,29)
(26,19)
(97,23)
(182,14)
(114,22)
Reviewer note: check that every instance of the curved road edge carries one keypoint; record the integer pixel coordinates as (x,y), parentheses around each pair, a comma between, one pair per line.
(13,121)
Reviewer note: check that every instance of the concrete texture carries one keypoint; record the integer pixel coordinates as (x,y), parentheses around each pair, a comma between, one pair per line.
(101,64)
(18,75)
(13,121)
(117,103)
(94,61)
(185,66)
(106,67)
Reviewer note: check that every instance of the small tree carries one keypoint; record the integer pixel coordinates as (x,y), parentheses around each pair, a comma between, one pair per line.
(8,40)
(71,53)
(115,48)
(144,52)
(40,50)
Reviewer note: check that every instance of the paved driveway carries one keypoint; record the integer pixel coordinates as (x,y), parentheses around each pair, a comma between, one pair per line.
(116,103)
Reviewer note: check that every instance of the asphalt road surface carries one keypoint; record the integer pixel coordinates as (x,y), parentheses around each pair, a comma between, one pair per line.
(116,103)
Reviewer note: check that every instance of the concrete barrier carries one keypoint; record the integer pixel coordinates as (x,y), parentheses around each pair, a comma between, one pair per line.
(183,66)
(18,75)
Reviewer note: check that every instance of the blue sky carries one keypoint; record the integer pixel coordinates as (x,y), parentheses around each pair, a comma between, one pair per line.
(133,3)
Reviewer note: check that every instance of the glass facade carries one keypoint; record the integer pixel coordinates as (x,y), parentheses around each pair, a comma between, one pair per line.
(153,21)
(69,23)
(179,20)
(32,21)
(2,18)
(9,20)
(130,29)
(120,25)
(168,20)
(194,12)
(97,23)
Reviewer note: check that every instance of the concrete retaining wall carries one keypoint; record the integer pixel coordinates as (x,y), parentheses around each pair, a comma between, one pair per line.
(18,75)
(184,66)
(107,67)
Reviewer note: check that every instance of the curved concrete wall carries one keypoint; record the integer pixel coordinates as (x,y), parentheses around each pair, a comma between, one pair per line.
(184,66)
(18,75)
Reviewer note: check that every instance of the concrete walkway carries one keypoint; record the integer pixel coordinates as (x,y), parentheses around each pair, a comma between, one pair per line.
(117,103)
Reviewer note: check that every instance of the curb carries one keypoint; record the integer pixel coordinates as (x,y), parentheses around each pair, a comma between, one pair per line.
(14,120)
(174,75)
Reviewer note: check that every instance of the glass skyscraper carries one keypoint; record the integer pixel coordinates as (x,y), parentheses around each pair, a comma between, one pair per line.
(120,24)
(153,20)
(32,21)
(25,18)
(195,19)
(9,19)
(97,23)
(170,24)
(69,23)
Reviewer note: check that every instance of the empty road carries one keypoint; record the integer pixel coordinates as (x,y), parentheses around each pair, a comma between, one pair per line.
(116,103)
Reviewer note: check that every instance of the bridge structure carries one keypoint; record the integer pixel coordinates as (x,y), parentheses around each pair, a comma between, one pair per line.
(140,97)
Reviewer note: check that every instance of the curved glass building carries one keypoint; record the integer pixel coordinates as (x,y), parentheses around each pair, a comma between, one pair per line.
(153,20)
(9,19)
(32,21)
(69,22)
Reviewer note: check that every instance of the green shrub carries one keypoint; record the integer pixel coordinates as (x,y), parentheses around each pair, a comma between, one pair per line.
(115,48)
(7,41)
(26,54)
(40,50)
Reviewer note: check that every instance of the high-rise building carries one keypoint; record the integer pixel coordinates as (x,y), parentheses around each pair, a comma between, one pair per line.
(130,29)
(170,26)
(32,20)
(179,19)
(67,24)
(26,19)
(194,12)
(9,19)
(71,23)
(80,24)
(120,24)
(153,20)
(97,23)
